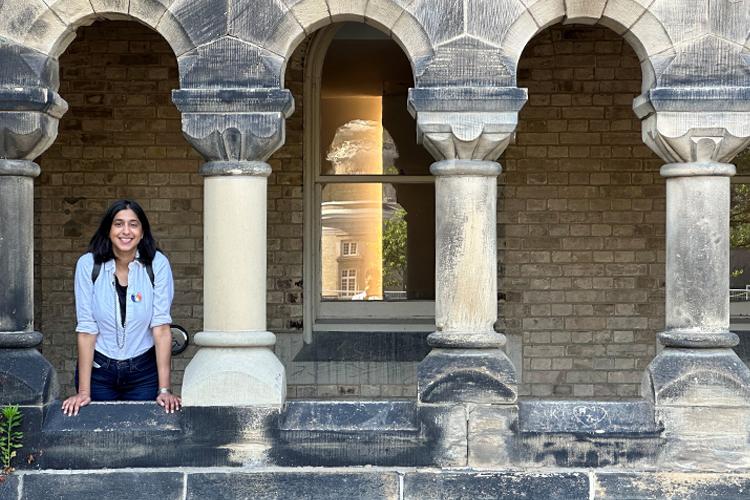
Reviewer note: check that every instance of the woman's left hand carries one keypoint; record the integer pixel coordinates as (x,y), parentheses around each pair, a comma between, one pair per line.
(169,401)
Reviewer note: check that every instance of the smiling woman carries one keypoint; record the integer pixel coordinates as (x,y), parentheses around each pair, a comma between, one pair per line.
(124,291)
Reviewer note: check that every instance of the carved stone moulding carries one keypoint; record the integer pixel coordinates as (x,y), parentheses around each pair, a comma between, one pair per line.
(28,121)
(710,124)
(468,123)
(697,377)
(234,124)
(482,376)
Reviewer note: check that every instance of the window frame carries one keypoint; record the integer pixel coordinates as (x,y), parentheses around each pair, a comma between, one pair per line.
(416,315)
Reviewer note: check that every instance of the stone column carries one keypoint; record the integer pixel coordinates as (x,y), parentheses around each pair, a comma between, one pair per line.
(28,125)
(698,384)
(235,365)
(467,363)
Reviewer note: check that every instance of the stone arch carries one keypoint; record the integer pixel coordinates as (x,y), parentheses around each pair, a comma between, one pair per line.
(646,34)
(389,16)
(51,28)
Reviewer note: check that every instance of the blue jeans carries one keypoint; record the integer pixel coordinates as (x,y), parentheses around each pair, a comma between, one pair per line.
(134,379)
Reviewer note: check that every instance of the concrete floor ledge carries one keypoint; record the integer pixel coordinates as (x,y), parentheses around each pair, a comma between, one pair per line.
(370,483)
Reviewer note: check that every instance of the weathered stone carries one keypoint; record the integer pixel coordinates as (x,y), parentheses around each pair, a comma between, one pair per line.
(130,434)
(267,24)
(365,485)
(350,433)
(26,378)
(584,11)
(114,485)
(444,428)
(229,63)
(9,488)
(497,485)
(365,346)
(697,377)
(195,22)
(113,9)
(244,123)
(702,438)
(311,14)
(483,376)
(24,67)
(670,485)
(492,436)
(594,417)
(149,12)
(466,123)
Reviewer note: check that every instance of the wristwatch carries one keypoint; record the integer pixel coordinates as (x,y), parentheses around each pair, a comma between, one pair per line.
(165,390)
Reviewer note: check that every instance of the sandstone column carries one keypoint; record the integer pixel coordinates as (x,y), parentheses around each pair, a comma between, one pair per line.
(235,365)
(28,125)
(467,363)
(698,384)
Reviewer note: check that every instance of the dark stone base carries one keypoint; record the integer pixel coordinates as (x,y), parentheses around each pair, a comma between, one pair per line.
(119,435)
(294,484)
(26,378)
(482,376)
(471,485)
(380,484)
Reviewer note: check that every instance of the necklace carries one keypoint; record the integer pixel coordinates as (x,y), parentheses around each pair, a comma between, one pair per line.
(120,326)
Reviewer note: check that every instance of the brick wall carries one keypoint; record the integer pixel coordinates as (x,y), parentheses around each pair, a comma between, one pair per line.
(581,220)
(581,212)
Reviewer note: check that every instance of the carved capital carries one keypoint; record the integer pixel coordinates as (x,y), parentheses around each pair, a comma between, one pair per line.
(234,124)
(466,123)
(695,125)
(28,121)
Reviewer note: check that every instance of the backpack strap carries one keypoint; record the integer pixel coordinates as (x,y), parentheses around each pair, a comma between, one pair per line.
(150,271)
(98,268)
(95,271)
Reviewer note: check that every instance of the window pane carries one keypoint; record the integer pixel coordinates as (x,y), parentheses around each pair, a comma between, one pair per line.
(378,242)
(365,127)
(739,239)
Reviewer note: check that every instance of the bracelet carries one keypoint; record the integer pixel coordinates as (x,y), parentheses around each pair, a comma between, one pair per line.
(165,390)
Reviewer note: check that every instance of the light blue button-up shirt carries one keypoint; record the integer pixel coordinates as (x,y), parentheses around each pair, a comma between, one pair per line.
(97,306)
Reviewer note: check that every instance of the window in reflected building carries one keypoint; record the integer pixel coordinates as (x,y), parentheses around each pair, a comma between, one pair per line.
(373,208)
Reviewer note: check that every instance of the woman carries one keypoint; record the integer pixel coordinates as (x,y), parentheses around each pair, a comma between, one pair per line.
(123,292)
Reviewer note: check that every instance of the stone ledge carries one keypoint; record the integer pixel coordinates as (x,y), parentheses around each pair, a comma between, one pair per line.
(371,483)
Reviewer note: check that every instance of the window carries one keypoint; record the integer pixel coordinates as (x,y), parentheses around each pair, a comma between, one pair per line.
(348,248)
(348,283)
(370,201)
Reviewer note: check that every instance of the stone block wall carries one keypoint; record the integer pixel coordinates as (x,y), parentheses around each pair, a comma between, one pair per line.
(581,220)
(580,215)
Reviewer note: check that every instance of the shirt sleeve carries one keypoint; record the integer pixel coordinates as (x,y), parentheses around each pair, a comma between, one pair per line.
(84,295)
(163,291)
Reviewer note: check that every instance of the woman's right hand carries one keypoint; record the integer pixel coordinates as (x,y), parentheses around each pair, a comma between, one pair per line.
(71,405)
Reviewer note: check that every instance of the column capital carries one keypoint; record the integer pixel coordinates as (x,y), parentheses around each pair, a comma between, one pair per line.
(466,123)
(28,121)
(234,124)
(695,125)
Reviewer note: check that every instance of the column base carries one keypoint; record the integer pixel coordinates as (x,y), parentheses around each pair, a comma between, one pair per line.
(469,340)
(19,340)
(697,377)
(698,339)
(26,378)
(482,376)
(234,376)
(702,397)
